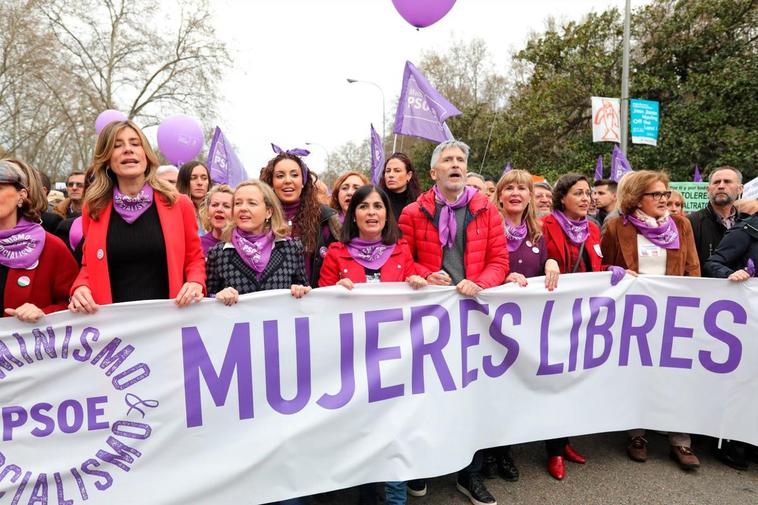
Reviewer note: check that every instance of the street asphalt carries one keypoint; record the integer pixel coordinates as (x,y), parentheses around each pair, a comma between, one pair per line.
(608,478)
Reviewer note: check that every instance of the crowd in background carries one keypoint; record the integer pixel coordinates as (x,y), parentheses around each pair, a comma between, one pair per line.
(130,229)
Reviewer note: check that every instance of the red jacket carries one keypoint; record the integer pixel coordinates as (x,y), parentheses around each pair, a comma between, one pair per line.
(566,253)
(485,257)
(184,254)
(48,283)
(338,264)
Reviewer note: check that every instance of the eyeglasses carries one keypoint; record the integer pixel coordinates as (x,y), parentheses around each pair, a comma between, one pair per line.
(659,195)
(75,184)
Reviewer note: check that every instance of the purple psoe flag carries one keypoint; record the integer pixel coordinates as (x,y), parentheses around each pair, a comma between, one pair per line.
(620,166)
(422,110)
(377,157)
(223,164)
(599,168)
(697,176)
(507,168)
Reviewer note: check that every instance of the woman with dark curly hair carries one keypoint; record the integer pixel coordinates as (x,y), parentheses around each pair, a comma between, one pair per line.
(400,182)
(315,224)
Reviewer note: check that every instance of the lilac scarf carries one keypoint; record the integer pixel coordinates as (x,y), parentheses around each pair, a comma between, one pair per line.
(132,207)
(576,231)
(371,254)
(255,250)
(515,235)
(21,246)
(290,211)
(207,241)
(75,233)
(448,228)
(661,232)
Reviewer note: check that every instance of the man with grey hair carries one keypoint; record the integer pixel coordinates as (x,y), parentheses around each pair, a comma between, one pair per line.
(476,181)
(456,237)
(168,173)
(543,195)
(710,223)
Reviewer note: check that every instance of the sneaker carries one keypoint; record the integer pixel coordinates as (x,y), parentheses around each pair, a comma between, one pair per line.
(636,448)
(472,485)
(489,466)
(417,487)
(507,468)
(685,457)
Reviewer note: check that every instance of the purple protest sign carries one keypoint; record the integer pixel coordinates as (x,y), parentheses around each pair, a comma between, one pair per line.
(377,157)
(619,164)
(697,176)
(422,110)
(223,163)
(599,168)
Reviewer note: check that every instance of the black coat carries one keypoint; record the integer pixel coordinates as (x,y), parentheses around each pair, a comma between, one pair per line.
(225,268)
(739,244)
(708,232)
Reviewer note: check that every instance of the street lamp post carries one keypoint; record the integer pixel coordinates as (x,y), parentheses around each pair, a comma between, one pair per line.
(384,116)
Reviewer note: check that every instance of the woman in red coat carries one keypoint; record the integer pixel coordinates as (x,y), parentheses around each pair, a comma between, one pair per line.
(141,239)
(574,242)
(36,268)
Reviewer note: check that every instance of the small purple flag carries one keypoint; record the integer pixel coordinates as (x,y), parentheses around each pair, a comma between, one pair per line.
(507,168)
(599,168)
(620,166)
(697,177)
(421,109)
(377,157)
(223,164)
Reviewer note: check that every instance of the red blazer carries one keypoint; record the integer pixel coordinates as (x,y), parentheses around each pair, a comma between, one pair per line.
(183,252)
(485,254)
(49,282)
(565,253)
(338,264)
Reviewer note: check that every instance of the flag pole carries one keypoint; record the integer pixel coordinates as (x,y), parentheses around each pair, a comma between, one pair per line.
(487,146)
(394,144)
(625,78)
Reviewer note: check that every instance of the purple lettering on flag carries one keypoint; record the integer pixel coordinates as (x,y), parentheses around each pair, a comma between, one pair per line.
(377,157)
(422,110)
(223,163)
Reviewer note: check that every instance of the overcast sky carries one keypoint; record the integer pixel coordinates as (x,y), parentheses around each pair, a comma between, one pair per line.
(291,59)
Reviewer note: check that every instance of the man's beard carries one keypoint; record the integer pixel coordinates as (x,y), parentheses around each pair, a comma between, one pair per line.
(722,199)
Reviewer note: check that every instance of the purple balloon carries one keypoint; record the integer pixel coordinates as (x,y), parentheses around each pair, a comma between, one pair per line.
(107,117)
(422,13)
(180,138)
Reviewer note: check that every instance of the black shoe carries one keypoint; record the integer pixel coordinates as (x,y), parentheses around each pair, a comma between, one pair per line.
(752,453)
(472,485)
(507,468)
(731,454)
(367,495)
(489,466)
(417,487)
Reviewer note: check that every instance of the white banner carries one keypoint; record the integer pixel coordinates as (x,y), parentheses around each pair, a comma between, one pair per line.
(277,397)
(606,122)
(750,191)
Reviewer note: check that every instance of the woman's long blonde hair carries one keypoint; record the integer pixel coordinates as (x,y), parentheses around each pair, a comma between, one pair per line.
(100,179)
(516,176)
(205,218)
(276,224)
(35,202)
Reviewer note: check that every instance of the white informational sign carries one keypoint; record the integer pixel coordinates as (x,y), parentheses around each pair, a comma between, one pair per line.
(606,122)
(146,403)
(750,190)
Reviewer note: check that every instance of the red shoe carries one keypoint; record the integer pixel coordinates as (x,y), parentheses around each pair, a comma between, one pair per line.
(555,467)
(573,456)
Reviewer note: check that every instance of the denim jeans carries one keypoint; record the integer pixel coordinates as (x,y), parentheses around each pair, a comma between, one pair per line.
(395,493)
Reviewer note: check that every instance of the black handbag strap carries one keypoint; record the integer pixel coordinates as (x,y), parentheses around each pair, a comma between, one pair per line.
(582,254)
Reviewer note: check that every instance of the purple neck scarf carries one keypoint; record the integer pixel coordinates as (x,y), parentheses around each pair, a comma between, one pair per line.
(132,207)
(255,250)
(576,231)
(661,232)
(207,241)
(21,245)
(371,254)
(515,234)
(75,233)
(448,228)
(290,211)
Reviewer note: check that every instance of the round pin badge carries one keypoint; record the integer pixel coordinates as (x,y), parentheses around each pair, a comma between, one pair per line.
(100,254)
(24,281)
(528,244)
(536,250)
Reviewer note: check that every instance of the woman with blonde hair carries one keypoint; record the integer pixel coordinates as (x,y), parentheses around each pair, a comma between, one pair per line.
(215,214)
(343,190)
(646,239)
(36,268)
(141,235)
(256,253)
(676,203)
